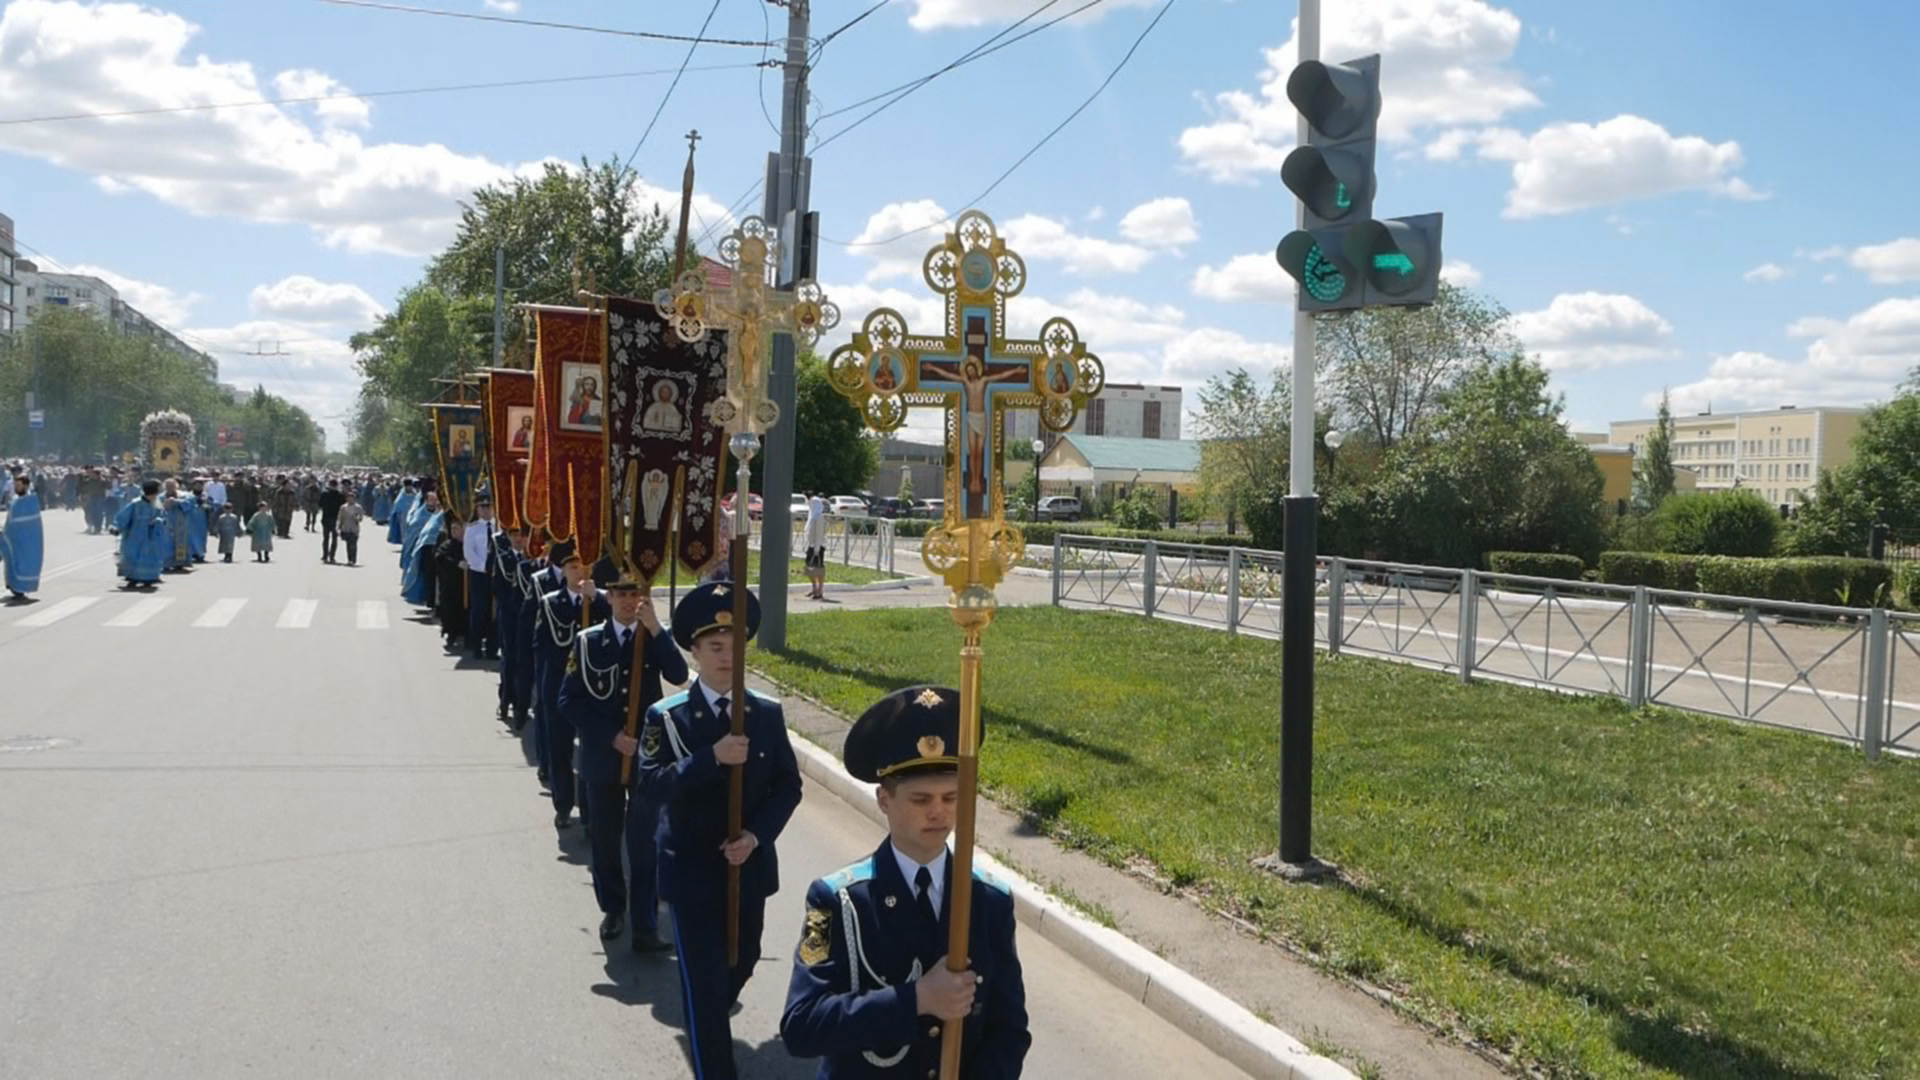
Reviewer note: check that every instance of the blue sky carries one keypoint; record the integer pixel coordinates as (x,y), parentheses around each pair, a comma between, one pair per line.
(1708,196)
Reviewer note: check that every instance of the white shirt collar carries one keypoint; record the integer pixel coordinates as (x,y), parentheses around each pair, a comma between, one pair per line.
(627,630)
(938,868)
(713,696)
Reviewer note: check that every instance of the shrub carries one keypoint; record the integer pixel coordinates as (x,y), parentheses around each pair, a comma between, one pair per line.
(1136,511)
(1738,522)
(1906,587)
(1652,569)
(1633,532)
(1822,580)
(1540,564)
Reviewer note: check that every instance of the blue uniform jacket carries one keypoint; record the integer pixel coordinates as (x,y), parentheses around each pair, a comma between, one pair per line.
(556,622)
(851,1001)
(593,695)
(678,771)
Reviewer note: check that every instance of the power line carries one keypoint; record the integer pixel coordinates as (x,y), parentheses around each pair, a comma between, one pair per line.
(766,30)
(477,17)
(1044,140)
(349,95)
(668,96)
(821,46)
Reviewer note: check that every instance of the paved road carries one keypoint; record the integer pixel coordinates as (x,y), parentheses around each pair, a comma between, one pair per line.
(281,836)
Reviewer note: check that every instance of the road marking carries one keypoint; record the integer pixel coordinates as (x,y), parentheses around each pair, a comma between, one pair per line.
(73,605)
(78,564)
(372,615)
(220,614)
(298,615)
(141,611)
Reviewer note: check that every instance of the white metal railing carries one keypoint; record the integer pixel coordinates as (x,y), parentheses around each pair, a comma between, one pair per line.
(1848,673)
(852,540)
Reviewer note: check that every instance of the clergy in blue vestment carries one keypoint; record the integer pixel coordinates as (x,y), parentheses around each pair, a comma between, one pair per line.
(180,552)
(382,504)
(417,586)
(196,506)
(22,542)
(145,540)
(410,530)
(397,524)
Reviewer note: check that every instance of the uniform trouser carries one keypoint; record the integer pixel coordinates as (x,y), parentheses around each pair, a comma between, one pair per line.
(480,637)
(707,986)
(623,825)
(558,736)
(506,622)
(353,546)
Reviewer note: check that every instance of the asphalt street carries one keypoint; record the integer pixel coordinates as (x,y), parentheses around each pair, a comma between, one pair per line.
(259,824)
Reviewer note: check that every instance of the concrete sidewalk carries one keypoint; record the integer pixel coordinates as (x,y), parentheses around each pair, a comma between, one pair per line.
(1336,1018)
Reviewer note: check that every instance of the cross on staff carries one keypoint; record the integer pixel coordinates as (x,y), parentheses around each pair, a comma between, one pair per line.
(973,372)
(752,311)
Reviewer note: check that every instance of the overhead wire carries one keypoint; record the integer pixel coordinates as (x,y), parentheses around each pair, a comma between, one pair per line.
(547,24)
(766,29)
(821,45)
(668,96)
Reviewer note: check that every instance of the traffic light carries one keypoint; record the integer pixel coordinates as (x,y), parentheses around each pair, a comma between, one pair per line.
(1398,260)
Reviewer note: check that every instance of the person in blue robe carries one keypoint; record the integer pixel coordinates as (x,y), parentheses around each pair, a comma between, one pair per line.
(397,517)
(410,529)
(145,541)
(382,504)
(22,541)
(196,506)
(179,551)
(417,587)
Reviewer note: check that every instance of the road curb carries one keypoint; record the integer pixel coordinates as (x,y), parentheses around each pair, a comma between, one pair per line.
(1203,1013)
(872,586)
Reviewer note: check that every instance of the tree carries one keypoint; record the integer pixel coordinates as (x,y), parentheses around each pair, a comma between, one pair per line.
(1389,370)
(1739,522)
(1653,473)
(832,451)
(1243,438)
(426,337)
(1493,470)
(1880,484)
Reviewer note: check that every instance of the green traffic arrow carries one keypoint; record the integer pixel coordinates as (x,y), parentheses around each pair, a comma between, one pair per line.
(1396,262)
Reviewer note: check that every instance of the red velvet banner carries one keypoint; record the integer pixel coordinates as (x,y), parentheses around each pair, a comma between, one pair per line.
(510,418)
(567,480)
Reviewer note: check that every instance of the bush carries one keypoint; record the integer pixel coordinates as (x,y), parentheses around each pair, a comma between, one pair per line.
(1136,511)
(1738,522)
(1633,532)
(1540,564)
(1824,580)
(1652,569)
(1906,587)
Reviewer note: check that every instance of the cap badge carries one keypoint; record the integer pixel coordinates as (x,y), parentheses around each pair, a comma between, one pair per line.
(928,698)
(932,746)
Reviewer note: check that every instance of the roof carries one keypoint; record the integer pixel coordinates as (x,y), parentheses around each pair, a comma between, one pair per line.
(1147,455)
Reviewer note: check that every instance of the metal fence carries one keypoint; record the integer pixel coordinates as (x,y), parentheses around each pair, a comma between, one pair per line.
(852,540)
(1848,673)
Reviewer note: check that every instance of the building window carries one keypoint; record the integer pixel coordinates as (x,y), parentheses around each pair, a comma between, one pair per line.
(1097,416)
(1150,420)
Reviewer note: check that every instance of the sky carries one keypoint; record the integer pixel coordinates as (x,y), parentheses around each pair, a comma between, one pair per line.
(1711,197)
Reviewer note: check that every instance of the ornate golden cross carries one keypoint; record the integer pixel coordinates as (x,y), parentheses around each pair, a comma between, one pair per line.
(751,310)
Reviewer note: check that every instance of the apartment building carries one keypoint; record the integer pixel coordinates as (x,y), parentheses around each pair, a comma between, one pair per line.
(9,281)
(41,290)
(1776,452)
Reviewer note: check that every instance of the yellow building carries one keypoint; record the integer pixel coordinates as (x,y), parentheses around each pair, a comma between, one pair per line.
(1616,466)
(1778,452)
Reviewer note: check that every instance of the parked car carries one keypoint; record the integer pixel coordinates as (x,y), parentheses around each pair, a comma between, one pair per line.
(847,505)
(891,507)
(755,507)
(933,508)
(797,506)
(1058,508)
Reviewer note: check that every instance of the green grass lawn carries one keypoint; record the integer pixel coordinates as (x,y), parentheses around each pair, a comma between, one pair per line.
(1596,891)
(797,572)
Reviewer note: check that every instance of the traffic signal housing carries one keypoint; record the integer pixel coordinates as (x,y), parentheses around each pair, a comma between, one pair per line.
(1397,260)
(1332,176)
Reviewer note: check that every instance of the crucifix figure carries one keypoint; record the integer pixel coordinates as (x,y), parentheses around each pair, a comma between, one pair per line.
(975,379)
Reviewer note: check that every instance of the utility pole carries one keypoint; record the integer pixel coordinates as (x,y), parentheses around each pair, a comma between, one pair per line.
(786,211)
(33,433)
(499,302)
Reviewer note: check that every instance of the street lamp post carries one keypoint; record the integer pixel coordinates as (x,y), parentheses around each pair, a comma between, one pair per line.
(1333,438)
(1039,448)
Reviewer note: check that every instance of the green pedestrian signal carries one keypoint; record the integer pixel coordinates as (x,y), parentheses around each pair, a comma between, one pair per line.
(1318,263)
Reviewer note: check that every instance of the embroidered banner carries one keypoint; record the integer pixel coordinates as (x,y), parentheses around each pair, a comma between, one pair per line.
(567,481)
(666,448)
(461,438)
(510,432)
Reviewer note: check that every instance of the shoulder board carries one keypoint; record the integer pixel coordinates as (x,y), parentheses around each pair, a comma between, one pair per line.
(758,696)
(850,875)
(595,632)
(992,881)
(671,701)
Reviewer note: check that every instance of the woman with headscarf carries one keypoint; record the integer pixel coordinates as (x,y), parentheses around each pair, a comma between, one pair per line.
(22,541)
(146,541)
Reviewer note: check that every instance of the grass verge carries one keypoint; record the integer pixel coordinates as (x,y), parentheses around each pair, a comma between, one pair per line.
(1595,891)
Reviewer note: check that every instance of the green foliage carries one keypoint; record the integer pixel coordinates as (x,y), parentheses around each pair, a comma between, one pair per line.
(1243,431)
(1633,531)
(1026,494)
(429,335)
(1880,484)
(1738,522)
(832,451)
(1837,521)
(906,486)
(1655,570)
(1390,370)
(1906,585)
(1536,564)
(1136,511)
(1828,580)
(1653,472)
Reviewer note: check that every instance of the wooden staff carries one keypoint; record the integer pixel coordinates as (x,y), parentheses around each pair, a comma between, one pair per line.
(641,638)
(972,618)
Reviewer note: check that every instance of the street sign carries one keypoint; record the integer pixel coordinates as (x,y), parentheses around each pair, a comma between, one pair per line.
(36,419)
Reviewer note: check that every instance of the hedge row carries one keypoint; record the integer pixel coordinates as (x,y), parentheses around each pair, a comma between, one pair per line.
(1540,564)
(1655,570)
(1825,580)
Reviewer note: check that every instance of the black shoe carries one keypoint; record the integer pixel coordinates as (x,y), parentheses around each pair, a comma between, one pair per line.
(611,926)
(500,713)
(520,718)
(649,941)
(563,819)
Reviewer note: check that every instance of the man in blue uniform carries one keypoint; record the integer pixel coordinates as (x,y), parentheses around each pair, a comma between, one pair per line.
(511,591)
(542,576)
(593,701)
(686,749)
(558,619)
(871,992)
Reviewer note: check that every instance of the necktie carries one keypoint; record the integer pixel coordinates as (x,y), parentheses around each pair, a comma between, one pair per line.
(923,885)
(720,710)
(625,640)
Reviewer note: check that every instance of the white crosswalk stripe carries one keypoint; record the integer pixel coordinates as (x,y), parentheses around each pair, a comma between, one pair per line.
(298,615)
(141,611)
(372,615)
(72,605)
(220,614)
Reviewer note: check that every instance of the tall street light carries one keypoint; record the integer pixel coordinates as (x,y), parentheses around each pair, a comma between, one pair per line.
(1333,438)
(1039,448)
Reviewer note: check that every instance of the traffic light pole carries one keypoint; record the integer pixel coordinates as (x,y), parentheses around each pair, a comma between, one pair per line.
(1298,569)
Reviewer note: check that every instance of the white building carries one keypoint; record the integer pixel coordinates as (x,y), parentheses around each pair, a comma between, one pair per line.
(1121,411)
(40,290)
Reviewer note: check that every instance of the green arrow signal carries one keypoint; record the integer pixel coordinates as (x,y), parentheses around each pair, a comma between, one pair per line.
(1396,262)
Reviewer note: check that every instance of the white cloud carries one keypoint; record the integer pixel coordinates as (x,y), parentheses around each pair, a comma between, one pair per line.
(167,306)
(1161,223)
(306,83)
(1460,272)
(261,163)
(1590,330)
(897,237)
(1894,263)
(1036,237)
(1766,271)
(1444,64)
(510,7)
(1566,167)
(1848,362)
(1255,277)
(304,299)
(317,373)
(1098,213)
(950,14)
(1193,358)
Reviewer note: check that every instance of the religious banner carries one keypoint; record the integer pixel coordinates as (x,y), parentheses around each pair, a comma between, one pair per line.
(567,477)
(460,438)
(510,432)
(665,437)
